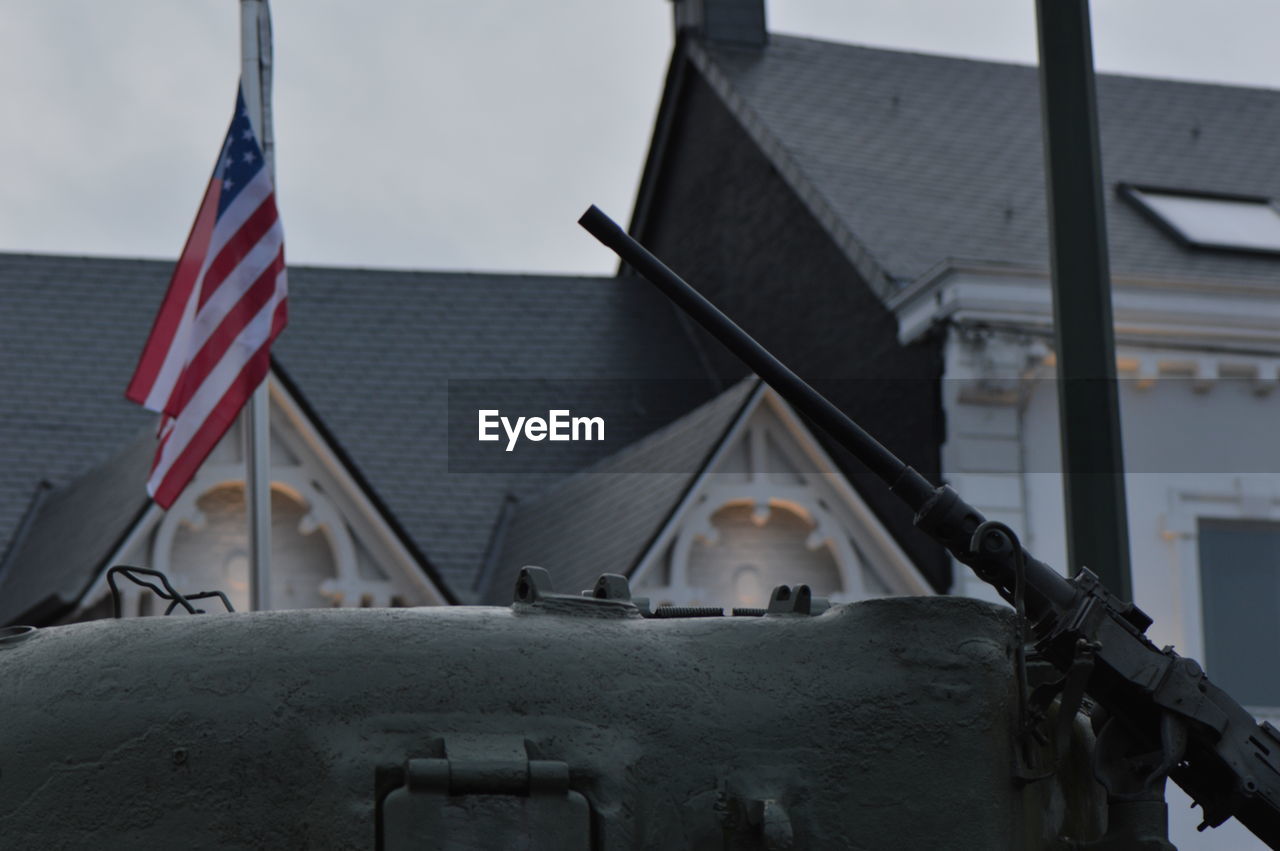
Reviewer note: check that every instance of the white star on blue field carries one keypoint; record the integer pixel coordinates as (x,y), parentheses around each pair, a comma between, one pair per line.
(241,157)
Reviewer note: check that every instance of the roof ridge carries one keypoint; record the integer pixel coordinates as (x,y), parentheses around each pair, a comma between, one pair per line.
(85,258)
(116,259)
(1015,63)
(455,273)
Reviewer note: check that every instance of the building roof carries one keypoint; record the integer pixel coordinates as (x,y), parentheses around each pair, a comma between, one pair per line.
(370,353)
(908,161)
(377,355)
(71,531)
(70,332)
(602,519)
(911,161)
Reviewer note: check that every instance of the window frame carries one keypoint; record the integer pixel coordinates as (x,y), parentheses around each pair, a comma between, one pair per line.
(1132,192)
(1271,526)
(1187,507)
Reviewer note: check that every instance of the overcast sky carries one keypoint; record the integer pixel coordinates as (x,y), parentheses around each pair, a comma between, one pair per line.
(459,135)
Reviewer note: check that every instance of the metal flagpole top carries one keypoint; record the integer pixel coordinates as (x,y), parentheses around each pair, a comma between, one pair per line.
(255,73)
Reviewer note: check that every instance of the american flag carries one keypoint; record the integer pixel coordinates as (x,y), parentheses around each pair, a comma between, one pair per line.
(209,347)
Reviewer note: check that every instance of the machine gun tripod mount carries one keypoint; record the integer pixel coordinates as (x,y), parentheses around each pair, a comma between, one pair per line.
(1161,717)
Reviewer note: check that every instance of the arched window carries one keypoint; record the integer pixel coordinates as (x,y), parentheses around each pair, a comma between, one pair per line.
(771,509)
(753,551)
(211,553)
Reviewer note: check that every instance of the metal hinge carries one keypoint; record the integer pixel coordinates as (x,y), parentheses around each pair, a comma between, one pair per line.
(483,791)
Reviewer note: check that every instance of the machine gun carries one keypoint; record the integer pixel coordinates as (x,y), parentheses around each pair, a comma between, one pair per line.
(1160,714)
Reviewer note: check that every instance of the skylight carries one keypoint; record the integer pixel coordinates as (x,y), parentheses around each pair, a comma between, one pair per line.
(1206,220)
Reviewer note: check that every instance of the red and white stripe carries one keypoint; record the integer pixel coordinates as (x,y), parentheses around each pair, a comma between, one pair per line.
(209,347)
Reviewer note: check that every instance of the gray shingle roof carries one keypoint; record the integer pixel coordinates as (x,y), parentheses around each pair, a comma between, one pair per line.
(71,531)
(601,519)
(70,332)
(371,353)
(374,354)
(924,159)
(909,160)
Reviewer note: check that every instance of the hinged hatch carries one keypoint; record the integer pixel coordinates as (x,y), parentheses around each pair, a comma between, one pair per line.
(484,792)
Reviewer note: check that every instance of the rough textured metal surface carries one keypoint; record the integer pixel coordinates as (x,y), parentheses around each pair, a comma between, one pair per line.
(879,724)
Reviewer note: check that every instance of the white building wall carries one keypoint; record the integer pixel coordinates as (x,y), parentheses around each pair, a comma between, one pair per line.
(1196,444)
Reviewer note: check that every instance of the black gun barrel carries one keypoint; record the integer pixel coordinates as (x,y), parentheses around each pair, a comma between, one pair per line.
(939,511)
(913,488)
(1158,701)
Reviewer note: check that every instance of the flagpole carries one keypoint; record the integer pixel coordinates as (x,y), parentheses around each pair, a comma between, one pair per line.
(255,78)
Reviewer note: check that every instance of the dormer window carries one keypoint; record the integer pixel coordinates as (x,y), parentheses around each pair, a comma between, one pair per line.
(1211,220)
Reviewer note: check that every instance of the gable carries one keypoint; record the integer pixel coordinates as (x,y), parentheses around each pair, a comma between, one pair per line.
(368,356)
(763,172)
(603,519)
(382,352)
(718,211)
(331,546)
(772,509)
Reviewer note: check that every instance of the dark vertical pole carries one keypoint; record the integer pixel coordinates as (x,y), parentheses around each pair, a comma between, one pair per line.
(1088,404)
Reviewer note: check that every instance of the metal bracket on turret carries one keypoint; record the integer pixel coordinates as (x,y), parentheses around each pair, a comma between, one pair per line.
(612,586)
(535,593)
(786,600)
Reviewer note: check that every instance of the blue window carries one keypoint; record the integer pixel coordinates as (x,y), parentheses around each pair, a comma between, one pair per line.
(1240,599)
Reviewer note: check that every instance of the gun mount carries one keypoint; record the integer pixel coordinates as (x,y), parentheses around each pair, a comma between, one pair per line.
(1161,715)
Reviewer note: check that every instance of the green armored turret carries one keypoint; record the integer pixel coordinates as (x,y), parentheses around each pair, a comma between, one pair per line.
(561,722)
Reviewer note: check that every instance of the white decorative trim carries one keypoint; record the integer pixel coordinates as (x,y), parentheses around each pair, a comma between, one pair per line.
(715,489)
(346,589)
(134,540)
(653,555)
(1177,314)
(364,519)
(336,507)
(904,577)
